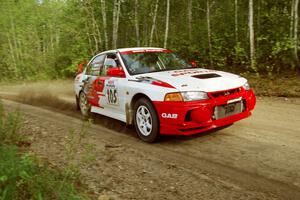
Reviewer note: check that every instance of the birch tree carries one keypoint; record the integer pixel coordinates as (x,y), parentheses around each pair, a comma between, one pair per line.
(153,23)
(190,18)
(104,21)
(236,27)
(167,24)
(11,50)
(95,29)
(136,20)
(292,19)
(209,32)
(116,15)
(251,36)
(296,31)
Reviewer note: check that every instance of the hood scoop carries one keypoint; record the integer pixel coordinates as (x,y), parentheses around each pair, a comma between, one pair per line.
(206,76)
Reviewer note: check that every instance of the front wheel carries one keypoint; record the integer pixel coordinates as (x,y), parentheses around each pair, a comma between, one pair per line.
(146,121)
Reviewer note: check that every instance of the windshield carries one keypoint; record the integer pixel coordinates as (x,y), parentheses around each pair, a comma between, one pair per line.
(146,62)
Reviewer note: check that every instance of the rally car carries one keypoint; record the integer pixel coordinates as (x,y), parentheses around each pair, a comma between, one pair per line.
(160,93)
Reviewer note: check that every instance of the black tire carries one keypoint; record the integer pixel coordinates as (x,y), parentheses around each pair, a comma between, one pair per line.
(84,106)
(77,103)
(145,116)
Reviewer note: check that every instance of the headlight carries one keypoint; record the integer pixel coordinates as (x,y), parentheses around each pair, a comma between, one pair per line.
(246,86)
(186,96)
(193,96)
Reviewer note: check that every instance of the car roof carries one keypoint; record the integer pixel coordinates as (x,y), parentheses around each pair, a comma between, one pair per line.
(128,49)
(139,49)
(132,49)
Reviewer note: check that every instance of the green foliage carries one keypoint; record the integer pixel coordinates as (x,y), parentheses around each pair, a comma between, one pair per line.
(10,125)
(22,178)
(25,177)
(47,39)
(75,148)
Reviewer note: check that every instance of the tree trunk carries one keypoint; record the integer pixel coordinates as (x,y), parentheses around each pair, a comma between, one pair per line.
(292,20)
(153,23)
(95,34)
(91,50)
(98,32)
(190,18)
(51,37)
(104,21)
(209,32)
(296,32)
(117,23)
(20,50)
(14,37)
(257,30)
(116,15)
(251,36)
(57,37)
(137,31)
(236,27)
(167,24)
(12,54)
(114,23)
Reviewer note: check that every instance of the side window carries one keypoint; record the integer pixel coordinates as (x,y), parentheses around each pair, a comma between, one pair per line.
(95,66)
(111,61)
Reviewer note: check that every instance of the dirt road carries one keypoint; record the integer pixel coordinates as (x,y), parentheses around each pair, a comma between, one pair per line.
(257,158)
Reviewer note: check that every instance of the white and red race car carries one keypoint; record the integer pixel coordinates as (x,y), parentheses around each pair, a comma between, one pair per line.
(160,93)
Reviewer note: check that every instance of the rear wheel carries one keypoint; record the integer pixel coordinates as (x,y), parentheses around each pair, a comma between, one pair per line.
(146,121)
(77,103)
(84,106)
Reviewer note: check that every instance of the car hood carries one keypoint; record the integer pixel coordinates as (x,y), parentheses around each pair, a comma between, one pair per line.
(197,79)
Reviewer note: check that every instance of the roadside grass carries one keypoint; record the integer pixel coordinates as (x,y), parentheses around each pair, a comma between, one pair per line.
(10,124)
(277,86)
(23,176)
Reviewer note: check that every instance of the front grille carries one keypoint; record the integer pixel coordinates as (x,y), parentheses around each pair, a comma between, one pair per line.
(225,93)
(228,110)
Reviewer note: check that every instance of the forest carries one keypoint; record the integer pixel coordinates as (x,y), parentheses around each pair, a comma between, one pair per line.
(42,39)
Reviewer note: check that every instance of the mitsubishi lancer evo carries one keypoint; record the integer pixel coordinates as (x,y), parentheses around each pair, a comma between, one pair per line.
(160,93)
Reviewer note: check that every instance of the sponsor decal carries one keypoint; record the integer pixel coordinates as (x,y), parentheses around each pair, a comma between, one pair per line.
(189,71)
(111,93)
(169,115)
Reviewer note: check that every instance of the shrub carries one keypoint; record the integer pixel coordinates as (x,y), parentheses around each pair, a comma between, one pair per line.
(21,177)
(9,127)
(25,177)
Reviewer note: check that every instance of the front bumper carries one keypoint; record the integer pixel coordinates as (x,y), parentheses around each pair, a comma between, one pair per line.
(187,118)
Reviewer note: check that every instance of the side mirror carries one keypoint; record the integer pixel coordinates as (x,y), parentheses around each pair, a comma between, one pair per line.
(193,63)
(116,72)
(80,67)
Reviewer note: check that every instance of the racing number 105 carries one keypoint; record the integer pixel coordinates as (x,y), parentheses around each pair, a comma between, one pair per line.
(111,95)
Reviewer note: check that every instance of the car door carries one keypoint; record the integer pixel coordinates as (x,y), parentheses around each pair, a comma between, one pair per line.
(109,87)
(90,81)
